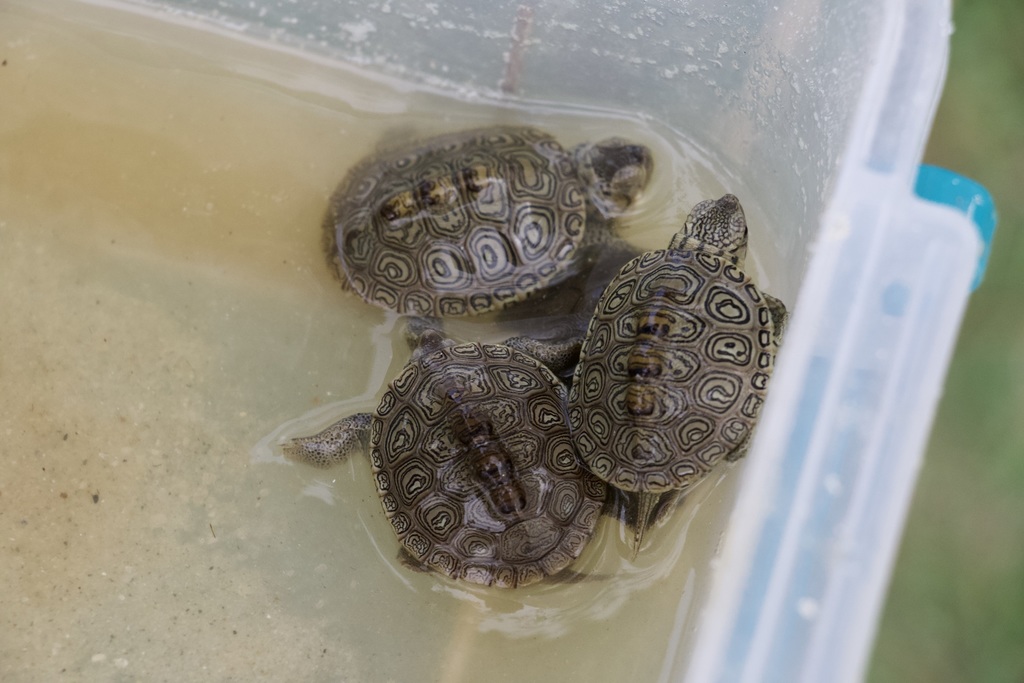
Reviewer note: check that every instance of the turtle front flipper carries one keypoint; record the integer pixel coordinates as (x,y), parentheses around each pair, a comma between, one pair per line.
(332,445)
(411,562)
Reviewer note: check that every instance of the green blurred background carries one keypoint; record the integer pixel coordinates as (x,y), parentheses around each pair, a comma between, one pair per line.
(955,610)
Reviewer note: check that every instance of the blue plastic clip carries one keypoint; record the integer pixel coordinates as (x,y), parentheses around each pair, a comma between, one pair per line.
(945,187)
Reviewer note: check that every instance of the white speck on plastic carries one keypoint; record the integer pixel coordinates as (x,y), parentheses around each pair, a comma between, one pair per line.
(807,608)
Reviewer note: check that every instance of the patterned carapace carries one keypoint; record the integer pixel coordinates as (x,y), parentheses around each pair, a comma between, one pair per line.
(676,360)
(474,221)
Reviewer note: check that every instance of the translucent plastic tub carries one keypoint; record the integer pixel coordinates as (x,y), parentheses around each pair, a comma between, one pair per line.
(825,107)
(819,111)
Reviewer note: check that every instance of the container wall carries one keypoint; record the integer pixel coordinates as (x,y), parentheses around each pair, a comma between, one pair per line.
(822,504)
(820,111)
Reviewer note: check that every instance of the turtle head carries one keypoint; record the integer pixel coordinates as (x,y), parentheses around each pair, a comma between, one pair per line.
(716,223)
(424,335)
(613,173)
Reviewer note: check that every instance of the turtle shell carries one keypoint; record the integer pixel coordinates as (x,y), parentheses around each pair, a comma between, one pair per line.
(464,223)
(476,468)
(673,370)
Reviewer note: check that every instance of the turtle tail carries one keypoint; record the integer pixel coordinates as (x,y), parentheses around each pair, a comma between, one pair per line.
(646,506)
(640,510)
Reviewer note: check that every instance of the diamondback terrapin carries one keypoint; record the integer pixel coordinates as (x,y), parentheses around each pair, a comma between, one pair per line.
(676,361)
(474,463)
(473,221)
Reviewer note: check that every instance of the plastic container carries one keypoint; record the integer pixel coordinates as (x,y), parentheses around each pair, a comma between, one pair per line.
(825,106)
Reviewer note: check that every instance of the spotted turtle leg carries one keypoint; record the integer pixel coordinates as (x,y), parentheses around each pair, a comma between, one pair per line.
(780,316)
(740,450)
(411,562)
(332,445)
(560,355)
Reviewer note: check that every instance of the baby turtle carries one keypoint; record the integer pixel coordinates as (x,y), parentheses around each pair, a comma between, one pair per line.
(676,361)
(474,463)
(473,221)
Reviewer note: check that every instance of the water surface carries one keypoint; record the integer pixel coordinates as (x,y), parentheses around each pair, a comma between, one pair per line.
(168,318)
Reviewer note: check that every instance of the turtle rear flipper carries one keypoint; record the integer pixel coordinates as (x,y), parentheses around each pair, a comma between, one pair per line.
(560,356)
(780,316)
(332,445)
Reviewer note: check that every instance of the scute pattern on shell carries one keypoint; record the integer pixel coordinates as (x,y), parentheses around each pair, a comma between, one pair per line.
(674,369)
(466,223)
(431,494)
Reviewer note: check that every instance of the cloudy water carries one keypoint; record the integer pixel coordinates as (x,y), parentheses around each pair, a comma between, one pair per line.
(168,319)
